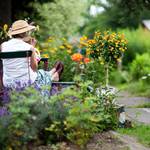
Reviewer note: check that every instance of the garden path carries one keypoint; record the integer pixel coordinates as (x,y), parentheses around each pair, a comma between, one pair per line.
(130,142)
(130,102)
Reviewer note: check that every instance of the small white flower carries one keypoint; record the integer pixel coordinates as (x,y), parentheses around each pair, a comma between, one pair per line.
(34,117)
(144,77)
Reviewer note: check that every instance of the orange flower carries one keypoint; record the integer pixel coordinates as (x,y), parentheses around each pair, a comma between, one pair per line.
(86,60)
(77,57)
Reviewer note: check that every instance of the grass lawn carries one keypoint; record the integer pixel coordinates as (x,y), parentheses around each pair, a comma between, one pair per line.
(146,105)
(136,88)
(140,132)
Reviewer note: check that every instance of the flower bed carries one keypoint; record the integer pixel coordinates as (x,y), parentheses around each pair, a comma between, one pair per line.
(74,115)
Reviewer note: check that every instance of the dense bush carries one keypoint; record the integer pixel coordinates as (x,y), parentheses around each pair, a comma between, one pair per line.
(140,66)
(118,77)
(138,43)
(28,113)
(75,114)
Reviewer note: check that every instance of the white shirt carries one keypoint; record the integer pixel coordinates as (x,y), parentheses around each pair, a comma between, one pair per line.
(17,69)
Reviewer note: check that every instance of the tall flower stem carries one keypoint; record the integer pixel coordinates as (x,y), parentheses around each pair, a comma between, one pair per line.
(107,75)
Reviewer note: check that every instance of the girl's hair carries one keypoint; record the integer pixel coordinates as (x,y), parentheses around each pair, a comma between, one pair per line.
(21,35)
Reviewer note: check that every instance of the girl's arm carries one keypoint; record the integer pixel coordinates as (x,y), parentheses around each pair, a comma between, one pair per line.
(33,61)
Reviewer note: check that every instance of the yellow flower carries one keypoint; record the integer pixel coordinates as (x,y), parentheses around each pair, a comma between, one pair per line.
(64,39)
(122,41)
(45,55)
(69,51)
(65,122)
(84,38)
(50,39)
(88,51)
(106,32)
(9,148)
(97,33)
(101,62)
(69,46)
(19,133)
(91,41)
(52,51)
(121,49)
(37,27)
(122,36)
(61,47)
(5,27)
(102,44)
(119,59)
(105,37)
(112,48)
(83,44)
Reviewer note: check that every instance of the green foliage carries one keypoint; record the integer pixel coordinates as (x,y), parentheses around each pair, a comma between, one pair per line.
(59,52)
(95,72)
(74,114)
(81,114)
(61,18)
(140,66)
(119,77)
(138,43)
(25,9)
(28,116)
(118,14)
(138,88)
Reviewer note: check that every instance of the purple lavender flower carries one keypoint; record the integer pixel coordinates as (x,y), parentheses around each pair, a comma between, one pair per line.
(54,90)
(4,96)
(3,111)
(37,87)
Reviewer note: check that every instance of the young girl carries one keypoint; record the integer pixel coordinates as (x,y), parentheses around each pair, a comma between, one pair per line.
(25,70)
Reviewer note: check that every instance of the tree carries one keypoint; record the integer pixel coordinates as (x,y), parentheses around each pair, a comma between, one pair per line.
(60,18)
(24,9)
(119,14)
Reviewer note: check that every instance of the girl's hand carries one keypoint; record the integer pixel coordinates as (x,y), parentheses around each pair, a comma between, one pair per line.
(38,56)
(33,42)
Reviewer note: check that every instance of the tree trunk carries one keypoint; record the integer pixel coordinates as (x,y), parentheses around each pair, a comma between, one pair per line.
(5,12)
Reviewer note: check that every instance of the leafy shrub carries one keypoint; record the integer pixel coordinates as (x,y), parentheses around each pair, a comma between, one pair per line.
(119,77)
(27,117)
(139,88)
(140,66)
(138,43)
(81,114)
(95,72)
(74,114)
(146,79)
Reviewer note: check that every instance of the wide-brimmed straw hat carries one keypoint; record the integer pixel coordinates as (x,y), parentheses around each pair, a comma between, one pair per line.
(20,26)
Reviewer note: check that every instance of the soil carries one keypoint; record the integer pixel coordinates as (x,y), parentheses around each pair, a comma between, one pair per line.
(100,141)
